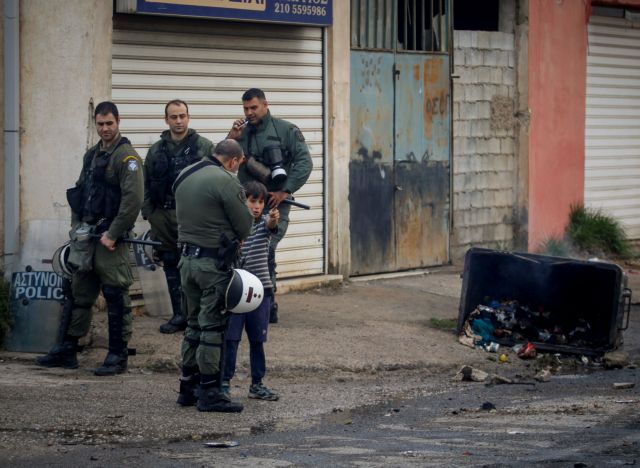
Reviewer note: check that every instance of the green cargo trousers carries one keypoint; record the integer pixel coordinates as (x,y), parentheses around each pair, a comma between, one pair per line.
(109,269)
(204,287)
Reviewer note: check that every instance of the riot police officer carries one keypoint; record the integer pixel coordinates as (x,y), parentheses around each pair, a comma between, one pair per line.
(278,156)
(213,219)
(178,147)
(105,203)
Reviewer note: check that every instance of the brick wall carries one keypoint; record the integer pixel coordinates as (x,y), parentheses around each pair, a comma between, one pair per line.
(484,130)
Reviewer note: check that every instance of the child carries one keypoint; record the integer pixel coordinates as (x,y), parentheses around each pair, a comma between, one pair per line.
(254,254)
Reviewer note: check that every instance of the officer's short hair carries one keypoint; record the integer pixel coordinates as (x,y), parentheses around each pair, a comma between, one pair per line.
(255,189)
(106,107)
(249,94)
(228,149)
(176,102)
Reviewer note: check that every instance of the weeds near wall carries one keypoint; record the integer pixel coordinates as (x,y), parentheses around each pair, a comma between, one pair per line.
(597,233)
(589,233)
(5,316)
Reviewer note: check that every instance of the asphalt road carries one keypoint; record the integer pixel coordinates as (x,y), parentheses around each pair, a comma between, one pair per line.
(576,419)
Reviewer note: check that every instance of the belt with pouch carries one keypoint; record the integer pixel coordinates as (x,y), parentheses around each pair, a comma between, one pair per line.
(191,250)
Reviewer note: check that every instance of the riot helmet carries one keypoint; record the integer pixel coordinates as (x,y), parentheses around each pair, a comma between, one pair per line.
(244,293)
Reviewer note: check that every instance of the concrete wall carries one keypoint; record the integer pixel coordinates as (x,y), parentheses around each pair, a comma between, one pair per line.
(65,70)
(484,170)
(337,176)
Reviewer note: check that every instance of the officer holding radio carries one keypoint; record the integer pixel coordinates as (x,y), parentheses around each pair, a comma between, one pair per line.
(277,156)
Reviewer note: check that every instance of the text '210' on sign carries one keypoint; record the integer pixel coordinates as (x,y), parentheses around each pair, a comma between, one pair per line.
(307,12)
(36,285)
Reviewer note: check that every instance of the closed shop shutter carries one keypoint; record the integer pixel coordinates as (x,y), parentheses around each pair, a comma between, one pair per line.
(209,64)
(612,145)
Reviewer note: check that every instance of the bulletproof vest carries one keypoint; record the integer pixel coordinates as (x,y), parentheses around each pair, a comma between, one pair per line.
(166,168)
(100,199)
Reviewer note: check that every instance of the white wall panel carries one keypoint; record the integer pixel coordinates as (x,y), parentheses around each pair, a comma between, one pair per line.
(210,64)
(612,135)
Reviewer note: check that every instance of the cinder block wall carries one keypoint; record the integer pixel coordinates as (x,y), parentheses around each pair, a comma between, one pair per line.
(484,131)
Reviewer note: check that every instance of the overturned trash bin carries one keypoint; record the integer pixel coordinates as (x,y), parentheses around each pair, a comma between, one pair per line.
(558,304)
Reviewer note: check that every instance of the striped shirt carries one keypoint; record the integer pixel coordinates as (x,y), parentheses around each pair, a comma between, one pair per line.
(255,251)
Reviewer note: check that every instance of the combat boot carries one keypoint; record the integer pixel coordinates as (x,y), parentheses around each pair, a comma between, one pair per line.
(178,322)
(273,313)
(62,355)
(189,390)
(175,324)
(214,400)
(114,363)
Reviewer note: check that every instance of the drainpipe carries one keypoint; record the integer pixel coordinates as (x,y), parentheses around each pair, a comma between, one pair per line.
(11,132)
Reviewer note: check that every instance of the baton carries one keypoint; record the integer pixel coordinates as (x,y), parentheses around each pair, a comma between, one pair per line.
(129,240)
(286,201)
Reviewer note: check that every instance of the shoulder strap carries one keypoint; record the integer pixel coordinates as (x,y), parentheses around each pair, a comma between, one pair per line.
(196,167)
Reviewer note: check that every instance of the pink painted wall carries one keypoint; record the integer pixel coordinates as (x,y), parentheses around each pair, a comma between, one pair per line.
(557,100)
(557,73)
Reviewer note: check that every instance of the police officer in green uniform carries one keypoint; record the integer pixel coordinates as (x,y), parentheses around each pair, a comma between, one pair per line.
(178,147)
(105,202)
(277,156)
(213,219)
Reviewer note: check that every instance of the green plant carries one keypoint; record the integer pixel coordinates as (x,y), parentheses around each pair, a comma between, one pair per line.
(444,324)
(595,232)
(5,316)
(557,247)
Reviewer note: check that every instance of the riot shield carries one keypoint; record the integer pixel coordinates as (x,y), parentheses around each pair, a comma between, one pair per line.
(157,302)
(36,290)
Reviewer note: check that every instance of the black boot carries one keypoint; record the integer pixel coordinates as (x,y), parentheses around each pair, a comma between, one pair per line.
(114,363)
(214,400)
(62,355)
(178,322)
(273,313)
(189,389)
(117,358)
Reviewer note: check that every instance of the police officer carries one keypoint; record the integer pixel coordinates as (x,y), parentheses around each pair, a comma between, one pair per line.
(213,219)
(178,147)
(272,146)
(105,203)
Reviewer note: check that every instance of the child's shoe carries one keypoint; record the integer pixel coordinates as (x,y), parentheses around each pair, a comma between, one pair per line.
(260,392)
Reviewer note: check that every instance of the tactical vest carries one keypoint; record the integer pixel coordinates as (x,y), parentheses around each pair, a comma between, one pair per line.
(166,168)
(96,200)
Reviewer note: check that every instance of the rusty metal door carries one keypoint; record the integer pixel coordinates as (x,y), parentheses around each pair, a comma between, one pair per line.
(371,180)
(399,177)
(421,160)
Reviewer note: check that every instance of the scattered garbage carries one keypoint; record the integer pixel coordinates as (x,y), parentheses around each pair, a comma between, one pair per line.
(623,385)
(503,358)
(488,406)
(528,351)
(222,444)
(470,374)
(543,376)
(616,360)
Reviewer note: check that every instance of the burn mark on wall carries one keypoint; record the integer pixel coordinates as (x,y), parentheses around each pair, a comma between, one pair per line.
(371,208)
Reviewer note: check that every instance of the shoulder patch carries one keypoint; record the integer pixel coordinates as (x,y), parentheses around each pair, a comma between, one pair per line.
(132,165)
(242,195)
(298,133)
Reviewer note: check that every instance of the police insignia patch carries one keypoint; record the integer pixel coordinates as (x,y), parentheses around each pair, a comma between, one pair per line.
(132,165)
(242,195)
(299,134)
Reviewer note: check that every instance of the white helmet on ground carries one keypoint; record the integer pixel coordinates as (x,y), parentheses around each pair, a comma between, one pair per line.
(244,293)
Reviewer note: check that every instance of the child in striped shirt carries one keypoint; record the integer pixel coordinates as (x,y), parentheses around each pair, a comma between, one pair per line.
(254,254)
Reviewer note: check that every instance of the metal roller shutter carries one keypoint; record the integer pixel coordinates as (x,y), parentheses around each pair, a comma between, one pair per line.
(612,144)
(209,64)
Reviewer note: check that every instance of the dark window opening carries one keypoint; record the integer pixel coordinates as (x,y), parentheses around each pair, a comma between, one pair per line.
(474,15)
(422,25)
